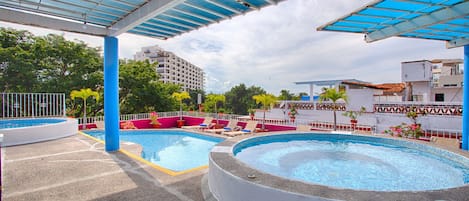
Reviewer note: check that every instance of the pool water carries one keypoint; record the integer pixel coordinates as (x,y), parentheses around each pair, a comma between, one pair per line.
(19,123)
(174,150)
(352,162)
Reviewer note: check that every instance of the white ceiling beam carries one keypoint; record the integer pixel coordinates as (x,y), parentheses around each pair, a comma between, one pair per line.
(142,14)
(457,43)
(207,11)
(194,15)
(164,26)
(175,23)
(441,16)
(224,7)
(183,19)
(18,17)
(155,29)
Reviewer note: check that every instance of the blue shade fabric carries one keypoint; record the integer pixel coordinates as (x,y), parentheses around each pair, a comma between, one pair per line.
(446,20)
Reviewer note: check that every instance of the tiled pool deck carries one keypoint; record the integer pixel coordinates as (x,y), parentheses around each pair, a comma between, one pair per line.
(78,168)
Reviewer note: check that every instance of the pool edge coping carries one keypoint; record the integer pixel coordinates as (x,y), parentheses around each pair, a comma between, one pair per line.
(142,160)
(240,171)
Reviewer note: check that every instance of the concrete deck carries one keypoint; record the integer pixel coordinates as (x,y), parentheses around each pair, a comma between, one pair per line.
(78,168)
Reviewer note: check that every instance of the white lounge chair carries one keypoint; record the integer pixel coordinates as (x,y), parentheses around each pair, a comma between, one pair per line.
(231,126)
(205,124)
(249,128)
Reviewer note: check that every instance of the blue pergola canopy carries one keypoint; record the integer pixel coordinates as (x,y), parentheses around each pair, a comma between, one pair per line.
(154,18)
(446,20)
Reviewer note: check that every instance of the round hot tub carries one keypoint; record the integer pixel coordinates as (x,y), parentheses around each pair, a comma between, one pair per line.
(335,166)
(24,131)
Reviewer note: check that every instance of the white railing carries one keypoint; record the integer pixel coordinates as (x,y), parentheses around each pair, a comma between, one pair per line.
(21,105)
(315,125)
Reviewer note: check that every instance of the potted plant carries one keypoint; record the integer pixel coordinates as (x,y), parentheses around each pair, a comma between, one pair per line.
(292,114)
(353,115)
(180,96)
(154,120)
(251,112)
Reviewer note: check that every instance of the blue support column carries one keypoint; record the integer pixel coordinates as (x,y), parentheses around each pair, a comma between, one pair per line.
(465,105)
(111,93)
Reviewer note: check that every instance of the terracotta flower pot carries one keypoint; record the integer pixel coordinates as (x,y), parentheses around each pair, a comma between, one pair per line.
(180,123)
(354,122)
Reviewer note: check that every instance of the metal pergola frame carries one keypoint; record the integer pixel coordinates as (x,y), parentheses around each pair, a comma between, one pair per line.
(160,19)
(443,20)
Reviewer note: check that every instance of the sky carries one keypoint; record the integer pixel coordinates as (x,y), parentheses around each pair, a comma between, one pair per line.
(278,45)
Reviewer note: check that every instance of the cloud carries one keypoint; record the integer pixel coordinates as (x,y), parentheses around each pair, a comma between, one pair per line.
(279,45)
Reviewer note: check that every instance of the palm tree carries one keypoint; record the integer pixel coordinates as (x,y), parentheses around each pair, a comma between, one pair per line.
(333,95)
(180,96)
(215,99)
(84,94)
(267,100)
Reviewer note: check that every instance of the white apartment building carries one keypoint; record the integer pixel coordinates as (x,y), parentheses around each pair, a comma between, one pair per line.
(173,69)
(438,80)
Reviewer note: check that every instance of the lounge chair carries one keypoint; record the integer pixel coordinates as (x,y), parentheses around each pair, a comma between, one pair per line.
(205,124)
(249,128)
(231,127)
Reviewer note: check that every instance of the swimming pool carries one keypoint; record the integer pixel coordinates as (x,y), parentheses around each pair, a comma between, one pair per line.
(354,162)
(31,130)
(19,123)
(323,167)
(172,149)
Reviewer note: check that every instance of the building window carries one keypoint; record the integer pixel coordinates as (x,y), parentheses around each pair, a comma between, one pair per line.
(439,97)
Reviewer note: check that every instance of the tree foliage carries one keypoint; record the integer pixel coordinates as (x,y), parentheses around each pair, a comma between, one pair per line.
(179,97)
(140,90)
(239,98)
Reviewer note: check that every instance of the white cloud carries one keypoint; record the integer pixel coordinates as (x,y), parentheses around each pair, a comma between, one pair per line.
(279,45)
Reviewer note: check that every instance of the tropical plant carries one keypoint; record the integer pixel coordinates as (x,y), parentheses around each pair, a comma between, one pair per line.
(267,101)
(333,95)
(353,115)
(84,94)
(404,130)
(413,114)
(180,96)
(214,99)
(293,112)
(154,118)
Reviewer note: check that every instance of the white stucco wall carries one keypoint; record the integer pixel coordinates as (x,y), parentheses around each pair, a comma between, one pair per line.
(451,94)
(422,89)
(416,71)
(360,97)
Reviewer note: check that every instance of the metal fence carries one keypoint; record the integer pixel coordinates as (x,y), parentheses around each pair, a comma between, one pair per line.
(21,105)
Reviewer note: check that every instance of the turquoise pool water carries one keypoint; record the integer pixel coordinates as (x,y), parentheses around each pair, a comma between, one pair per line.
(174,150)
(355,162)
(19,123)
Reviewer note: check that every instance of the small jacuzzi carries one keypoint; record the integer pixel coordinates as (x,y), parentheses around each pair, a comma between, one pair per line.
(24,131)
(306,166)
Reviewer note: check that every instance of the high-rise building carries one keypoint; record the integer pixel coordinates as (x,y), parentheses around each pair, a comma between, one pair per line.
(173,69)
